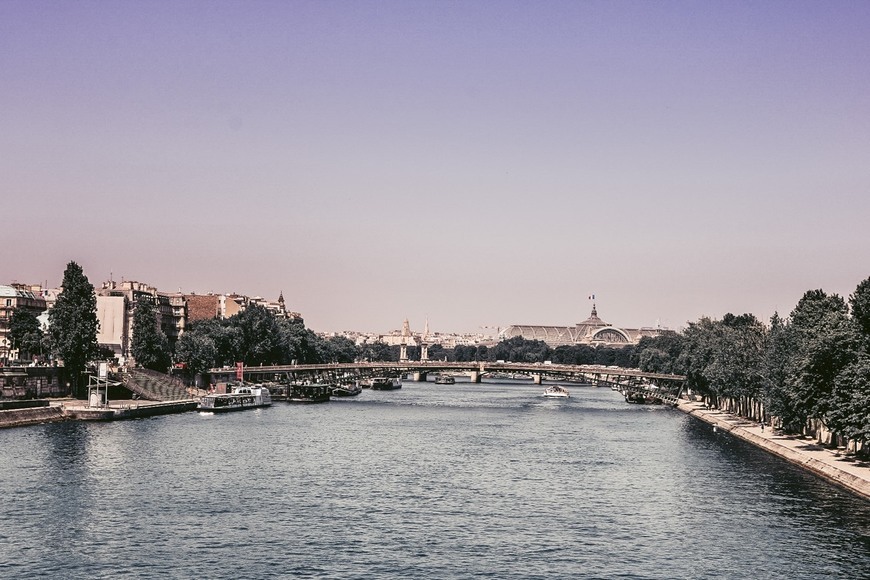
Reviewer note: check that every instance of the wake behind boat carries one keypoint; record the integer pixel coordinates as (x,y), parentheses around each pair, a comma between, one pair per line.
(556,392)
(241,397)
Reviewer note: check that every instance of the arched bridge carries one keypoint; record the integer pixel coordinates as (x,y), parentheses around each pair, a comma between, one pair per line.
(636,385)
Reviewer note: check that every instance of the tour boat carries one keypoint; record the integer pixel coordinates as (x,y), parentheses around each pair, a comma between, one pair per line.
(444,380)
(386,383)
(309,393)
(242,397)
(556,392)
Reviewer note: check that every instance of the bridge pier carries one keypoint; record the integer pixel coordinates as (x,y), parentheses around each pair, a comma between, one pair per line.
(536,379)
(474,376)
(419,376)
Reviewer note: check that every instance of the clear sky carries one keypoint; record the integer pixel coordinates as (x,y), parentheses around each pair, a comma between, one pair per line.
(476,163)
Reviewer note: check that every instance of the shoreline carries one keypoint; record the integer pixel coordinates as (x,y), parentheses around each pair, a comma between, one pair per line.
(829,464)
(77,410)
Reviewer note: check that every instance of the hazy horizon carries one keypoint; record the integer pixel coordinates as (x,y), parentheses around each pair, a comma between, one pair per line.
(479,164)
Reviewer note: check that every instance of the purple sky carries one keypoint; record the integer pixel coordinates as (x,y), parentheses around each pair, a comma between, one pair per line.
(479,163)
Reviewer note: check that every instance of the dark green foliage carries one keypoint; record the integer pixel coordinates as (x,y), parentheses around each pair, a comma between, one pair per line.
(149,345)
(824,343)
(74,324)
(860,303)
(260,337)
(25,333)
(197,351)
(338,349)
(519,349)
(849,412)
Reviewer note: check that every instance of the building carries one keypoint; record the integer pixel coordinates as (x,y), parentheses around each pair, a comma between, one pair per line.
(116,304)
(12,298)
(593,331)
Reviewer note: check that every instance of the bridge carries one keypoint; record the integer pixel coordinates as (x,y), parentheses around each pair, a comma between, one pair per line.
(635,385)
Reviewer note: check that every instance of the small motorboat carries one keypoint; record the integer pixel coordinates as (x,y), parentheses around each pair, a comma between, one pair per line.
(556,392)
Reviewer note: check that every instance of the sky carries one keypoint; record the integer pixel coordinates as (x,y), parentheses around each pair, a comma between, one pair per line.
(476,164)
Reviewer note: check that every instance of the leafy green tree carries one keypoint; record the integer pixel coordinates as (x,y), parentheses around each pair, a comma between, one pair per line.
(860,303)
(149,345)
(379,352)
(298,343)
(74,323)
(825,342)
(849,412)
(197,351)
(261,337)
(738,353)
(338,349)
(778,396)
(25,333)
(519,349)
(697,354)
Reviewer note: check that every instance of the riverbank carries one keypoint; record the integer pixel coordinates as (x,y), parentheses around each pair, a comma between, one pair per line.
(830,464)
(75,410)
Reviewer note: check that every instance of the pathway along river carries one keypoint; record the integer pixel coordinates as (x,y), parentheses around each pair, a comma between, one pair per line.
(458,481)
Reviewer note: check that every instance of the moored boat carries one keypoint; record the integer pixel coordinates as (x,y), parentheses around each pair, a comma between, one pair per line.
(444,380)
(386,383)
(309,393)
(556,392)
(350,390)
(241,397)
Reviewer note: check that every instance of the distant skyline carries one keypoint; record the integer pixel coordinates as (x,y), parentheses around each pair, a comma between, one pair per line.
(473,163)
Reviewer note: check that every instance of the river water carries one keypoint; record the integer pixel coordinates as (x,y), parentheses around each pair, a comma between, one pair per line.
(432,481)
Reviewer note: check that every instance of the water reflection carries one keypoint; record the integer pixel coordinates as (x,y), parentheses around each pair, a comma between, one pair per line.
(450,482)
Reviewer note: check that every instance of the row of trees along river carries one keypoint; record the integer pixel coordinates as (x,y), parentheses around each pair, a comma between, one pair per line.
(809,372)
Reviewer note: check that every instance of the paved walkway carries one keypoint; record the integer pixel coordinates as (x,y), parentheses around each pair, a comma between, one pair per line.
(830,464)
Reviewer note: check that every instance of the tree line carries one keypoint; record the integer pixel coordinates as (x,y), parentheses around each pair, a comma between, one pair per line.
(809,371)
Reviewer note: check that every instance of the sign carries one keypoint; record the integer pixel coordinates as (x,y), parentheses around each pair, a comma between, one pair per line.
(240,371)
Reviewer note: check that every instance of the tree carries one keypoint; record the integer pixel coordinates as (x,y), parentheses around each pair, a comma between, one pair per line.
(261,336)
(25,333)
(73,323)
(849,412)
(825,342)
(197,351)
(149,345)
(860,303)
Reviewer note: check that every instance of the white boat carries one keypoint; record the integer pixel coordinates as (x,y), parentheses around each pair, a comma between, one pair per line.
(386,383)
(556,392)
(242,397)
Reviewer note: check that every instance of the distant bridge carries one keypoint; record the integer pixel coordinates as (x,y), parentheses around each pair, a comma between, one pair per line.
(633,383)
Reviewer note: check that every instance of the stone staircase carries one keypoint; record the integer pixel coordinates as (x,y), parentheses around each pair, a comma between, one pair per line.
(156,386)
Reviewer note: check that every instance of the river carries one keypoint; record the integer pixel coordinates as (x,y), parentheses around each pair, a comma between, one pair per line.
(432,481)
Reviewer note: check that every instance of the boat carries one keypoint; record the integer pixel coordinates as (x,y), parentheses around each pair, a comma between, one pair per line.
(309,393)
(444,380)
(556,392)
(386,383)
(350,390)
(241,397)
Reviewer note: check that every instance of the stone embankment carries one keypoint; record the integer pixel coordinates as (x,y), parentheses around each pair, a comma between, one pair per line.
(77,411)
(33,416)
(830,464)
